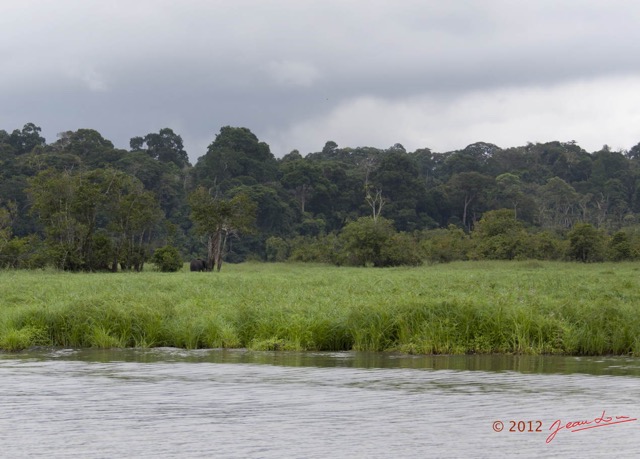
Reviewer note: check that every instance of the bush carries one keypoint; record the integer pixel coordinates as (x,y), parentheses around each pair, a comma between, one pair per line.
(402,249)
(102,255)
(312,226)
(322,249)
(167,259)
(620,247)
(364,240)
(446,245)
(500,236)
(546,246)
(277,249)
(586,243)
(22,253)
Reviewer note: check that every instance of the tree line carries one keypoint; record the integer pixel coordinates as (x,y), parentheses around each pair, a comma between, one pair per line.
(79,203)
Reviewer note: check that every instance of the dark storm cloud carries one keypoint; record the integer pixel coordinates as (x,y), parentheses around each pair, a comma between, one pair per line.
(281,68)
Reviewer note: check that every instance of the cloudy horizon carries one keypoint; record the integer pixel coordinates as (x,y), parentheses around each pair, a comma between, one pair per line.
(426,74)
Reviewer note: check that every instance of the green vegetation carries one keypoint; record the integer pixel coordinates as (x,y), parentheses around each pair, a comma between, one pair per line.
(81,204)
(464,307)
(167,259)
(217,219)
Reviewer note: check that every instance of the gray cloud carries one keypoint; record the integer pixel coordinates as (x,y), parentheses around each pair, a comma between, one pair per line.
(298,73)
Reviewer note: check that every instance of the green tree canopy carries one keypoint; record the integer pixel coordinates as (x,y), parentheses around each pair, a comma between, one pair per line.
(88,145)
(236,153)
(365,239)
(468,190)
(25,140)
(75,207)
(585,243)
(166,146)
(500,236)
(217,218)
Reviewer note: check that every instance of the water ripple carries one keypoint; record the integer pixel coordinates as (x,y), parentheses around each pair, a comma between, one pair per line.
(66,405)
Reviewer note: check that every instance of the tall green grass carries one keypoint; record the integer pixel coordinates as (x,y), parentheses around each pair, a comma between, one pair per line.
(465,307)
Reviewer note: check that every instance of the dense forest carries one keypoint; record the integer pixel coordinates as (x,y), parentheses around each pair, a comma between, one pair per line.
(81,204)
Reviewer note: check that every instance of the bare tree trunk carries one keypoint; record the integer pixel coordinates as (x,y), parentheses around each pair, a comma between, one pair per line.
(210,252)
(114,265)
(216,253)
(220,241)
(467,201)
(301,193)
(223,245)
(375,202)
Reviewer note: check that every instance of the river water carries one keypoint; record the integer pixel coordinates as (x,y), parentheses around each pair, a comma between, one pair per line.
(241,404)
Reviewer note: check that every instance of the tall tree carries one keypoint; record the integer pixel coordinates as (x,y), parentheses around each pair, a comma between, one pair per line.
(168,183)
(217,218)
(25,140)
(87,144)
(477,157)
(68,219)
(557,203)
(132,213)
(301,177)
(235,157)
(509,191)
(397,178)
(166,146)
(467,189)
(74,206)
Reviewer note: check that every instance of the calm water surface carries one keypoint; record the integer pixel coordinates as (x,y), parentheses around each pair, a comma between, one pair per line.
(236,403)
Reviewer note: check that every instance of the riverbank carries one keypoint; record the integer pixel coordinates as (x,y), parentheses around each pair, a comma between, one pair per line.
(525,307)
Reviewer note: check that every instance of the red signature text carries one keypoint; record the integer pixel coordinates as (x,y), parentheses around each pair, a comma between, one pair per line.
(577,426)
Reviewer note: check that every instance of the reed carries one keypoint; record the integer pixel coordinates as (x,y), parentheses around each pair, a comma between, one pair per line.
(463,307)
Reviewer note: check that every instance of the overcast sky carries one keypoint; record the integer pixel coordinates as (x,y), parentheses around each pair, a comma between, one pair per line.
(424,73)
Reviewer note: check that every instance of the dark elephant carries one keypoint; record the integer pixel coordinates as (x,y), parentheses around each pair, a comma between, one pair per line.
(198,265)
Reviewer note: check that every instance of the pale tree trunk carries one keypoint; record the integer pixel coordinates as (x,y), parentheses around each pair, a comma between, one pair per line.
(215,249)
(210,252)
(223,236)
(218,251)
(301,193)
(219,242)
(375,202)
(467,201)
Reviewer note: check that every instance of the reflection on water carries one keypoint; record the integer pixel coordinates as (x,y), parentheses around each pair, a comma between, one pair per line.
(613,366)
(237,403)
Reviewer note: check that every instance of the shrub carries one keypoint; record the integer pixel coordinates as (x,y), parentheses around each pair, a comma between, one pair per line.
(620,247)
(546,246)
(167,259)
(586,243)
(364,240)
(277,249)
(102,255)
(23,253)
(368,241)
(445,245)
(322,249)
(402,249)
(500,236)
